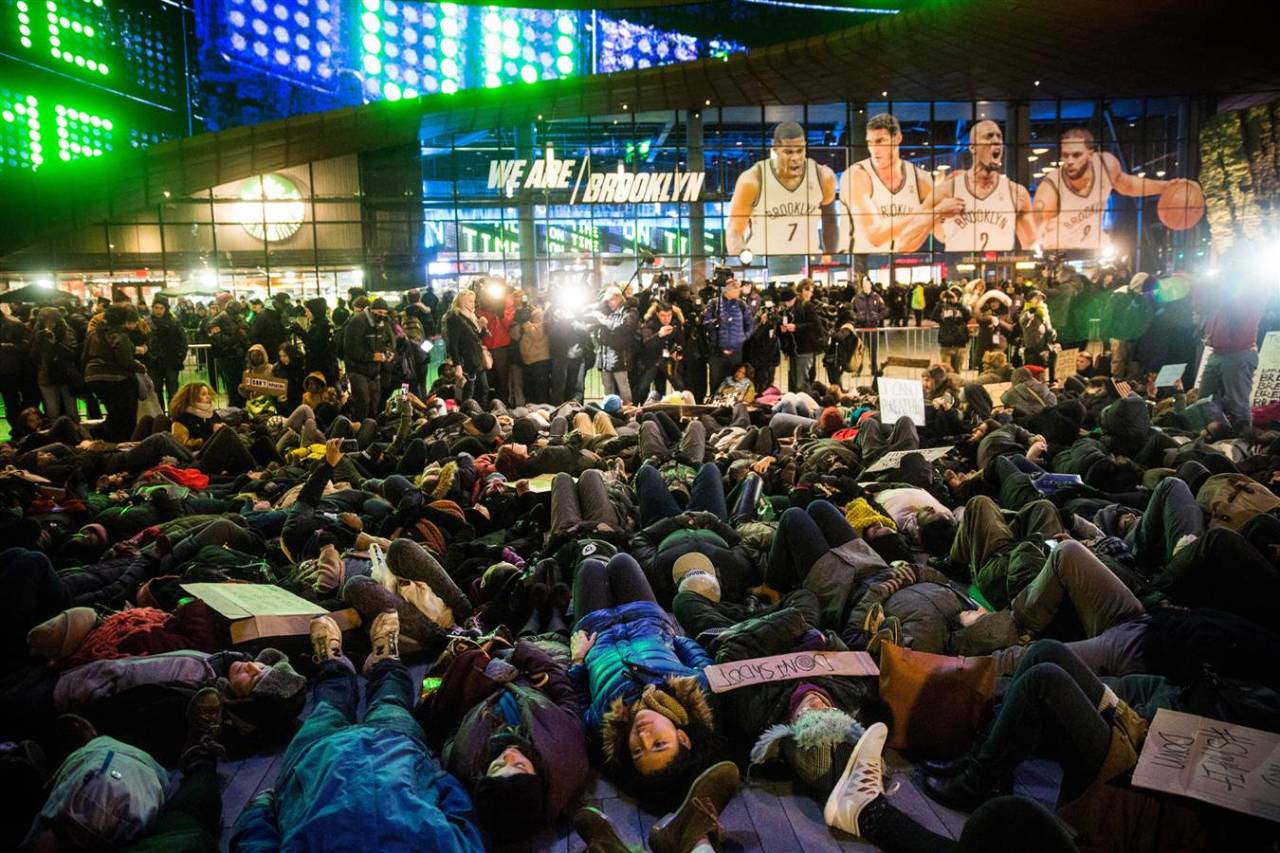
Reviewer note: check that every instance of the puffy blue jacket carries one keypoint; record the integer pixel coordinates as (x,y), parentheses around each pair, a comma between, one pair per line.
(361,788)
(637,644)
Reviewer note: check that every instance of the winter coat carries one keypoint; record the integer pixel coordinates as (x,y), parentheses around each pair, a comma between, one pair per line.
(231,339)
(361,787)
(14,339)
(952,319)
(464,711)
(728,324)
(616,337)
(652,346)
(751,710)
(808,336)
(637,644)
(463,339)
(362,337)
(268,329)
(658,546)
(868,310)
(56,356)
(499,324)
(108,356)
(1028,396)
(318,342)
(532,334)
(1037,330)
(108,583)
(167,345)
(838,576)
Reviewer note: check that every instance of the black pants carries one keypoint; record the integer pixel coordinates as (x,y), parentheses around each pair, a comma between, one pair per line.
(1223,571)
(537,382)
(225,452)
(722,365)
(803,536)
(599,585)
(121,400)
(166,381)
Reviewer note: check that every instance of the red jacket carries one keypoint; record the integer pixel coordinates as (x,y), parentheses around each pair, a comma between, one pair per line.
(499,326)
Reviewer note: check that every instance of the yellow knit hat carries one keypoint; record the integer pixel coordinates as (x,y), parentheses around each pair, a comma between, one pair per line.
(861,515)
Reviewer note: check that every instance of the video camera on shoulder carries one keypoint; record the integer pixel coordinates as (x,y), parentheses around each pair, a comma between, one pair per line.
(720,276)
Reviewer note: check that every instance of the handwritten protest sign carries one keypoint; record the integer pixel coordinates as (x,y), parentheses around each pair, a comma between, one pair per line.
(1266,379)
(255,610)
(894,458)
(1170,374)
(900,397)
(1064,363)
(996,391)
(268,385)
(1235,767)
(724,677)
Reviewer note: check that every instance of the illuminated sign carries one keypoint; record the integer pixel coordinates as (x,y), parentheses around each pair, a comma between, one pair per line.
(272,208)
(616,186)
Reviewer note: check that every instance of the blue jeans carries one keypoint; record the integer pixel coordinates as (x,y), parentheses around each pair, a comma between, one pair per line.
(657,502)
(389,697)
(1228,378)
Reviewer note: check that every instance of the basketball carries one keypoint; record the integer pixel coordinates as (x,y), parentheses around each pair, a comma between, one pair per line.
(1181,205)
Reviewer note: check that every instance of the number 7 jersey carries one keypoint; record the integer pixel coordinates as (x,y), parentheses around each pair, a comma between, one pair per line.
(783,221)
(988,224)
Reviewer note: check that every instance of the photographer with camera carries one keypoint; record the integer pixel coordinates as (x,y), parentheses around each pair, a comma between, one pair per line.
(801,333)
(661,350)
(728,322)
(368,344)
(616,326)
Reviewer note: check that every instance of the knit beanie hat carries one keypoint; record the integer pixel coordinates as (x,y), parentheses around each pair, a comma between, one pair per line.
(694,572)
(281,681)
(861,515)
(511,806)
(810,745)
(58,638)
(524,431)
(830,420)
(612,404)
(483,426)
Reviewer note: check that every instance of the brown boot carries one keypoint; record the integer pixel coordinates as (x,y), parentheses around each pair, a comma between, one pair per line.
(699,815)
(599,833)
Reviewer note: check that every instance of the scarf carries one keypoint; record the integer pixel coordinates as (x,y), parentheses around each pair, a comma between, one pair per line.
(204,411)
(471,316)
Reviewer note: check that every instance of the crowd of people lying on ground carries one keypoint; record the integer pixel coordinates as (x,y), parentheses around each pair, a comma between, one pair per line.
(569,572)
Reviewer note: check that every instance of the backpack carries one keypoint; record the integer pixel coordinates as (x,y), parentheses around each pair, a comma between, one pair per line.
(106,793)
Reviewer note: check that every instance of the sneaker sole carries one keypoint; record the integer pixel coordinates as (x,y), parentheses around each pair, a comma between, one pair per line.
(833,799)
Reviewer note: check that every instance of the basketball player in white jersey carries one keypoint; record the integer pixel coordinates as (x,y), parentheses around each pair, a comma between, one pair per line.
(889,201)
(996,211)
(1071,198)
(778,204)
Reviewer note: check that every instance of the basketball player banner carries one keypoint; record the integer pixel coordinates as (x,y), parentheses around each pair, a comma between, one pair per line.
(1235,767)
(724,677)
(1266,379)
(789,204)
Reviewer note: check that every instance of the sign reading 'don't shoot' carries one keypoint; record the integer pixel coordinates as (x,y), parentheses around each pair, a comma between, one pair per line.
(723,677)
(594,187)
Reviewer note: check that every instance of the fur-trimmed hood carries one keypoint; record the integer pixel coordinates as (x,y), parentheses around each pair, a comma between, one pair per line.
(680,699)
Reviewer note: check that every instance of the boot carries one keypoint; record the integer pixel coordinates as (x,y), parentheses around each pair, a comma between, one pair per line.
(204,724)
(967,790)
(595,828)
(326,639)
(384,636)
(409,560)
(699,815)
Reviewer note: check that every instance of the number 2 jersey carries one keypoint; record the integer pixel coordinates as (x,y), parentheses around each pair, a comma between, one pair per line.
(783,221)
(988,224)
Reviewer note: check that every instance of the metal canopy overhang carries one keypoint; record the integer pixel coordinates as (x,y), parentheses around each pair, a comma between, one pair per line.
(953,50)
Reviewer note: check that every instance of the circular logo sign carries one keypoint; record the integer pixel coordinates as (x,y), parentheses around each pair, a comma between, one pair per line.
(273,208)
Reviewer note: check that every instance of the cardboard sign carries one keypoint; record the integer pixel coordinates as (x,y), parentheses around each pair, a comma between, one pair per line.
(900,397)
(996,390)
(268,385)
(894,458)
(1204,360)
(257,610)
(1266,379)
(1232,766)
(1170,374)
(1064,364)
(541,483)
(724,677)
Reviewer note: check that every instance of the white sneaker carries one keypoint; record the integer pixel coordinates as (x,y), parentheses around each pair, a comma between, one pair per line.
(861,782)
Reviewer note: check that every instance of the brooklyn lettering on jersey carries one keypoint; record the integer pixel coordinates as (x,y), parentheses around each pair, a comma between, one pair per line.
(895,209)
(790,208)
(1081,217)
(971,218)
